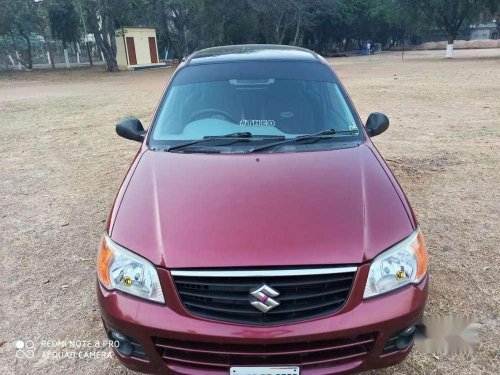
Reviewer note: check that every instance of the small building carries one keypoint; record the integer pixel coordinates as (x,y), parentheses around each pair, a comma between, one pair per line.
(480,31)
(484,31)
(136,48)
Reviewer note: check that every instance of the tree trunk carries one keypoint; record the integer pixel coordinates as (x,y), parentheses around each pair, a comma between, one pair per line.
(101,39)
(13,39)
(18,58)
(46,40)
(11,60)
(50,52)
(89,53)
(30,58)
(449,47)
(297,30)
(29,64)
(112,65)
(77,49)
(277,26)
(112,41)
(282,37)
(221,30)
(66,57)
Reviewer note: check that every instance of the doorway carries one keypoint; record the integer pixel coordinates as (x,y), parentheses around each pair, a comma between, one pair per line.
(132,59)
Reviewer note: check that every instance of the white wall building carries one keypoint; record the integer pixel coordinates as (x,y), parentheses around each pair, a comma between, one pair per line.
(136,48)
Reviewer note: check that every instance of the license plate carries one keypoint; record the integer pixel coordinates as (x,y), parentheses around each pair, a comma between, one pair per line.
(277,370)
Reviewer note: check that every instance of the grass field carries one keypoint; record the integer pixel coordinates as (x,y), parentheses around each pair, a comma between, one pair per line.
(62,163)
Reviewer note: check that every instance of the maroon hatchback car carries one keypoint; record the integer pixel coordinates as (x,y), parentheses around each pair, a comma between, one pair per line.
(258,230)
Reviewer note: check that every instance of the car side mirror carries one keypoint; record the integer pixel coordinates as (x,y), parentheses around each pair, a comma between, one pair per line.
(376,124)
(131,128)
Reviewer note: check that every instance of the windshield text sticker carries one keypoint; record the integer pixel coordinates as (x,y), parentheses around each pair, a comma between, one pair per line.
(257,123)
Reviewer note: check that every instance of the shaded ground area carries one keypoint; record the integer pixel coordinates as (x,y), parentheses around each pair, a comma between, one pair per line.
(62,164)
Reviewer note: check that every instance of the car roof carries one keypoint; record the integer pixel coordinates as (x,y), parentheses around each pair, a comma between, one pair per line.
(251,52)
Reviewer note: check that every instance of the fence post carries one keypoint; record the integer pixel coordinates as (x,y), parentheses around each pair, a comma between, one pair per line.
(12,60)
(48,58)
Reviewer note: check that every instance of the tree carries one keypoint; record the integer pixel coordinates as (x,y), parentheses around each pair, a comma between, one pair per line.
(278,17)
(23,18)
(309,15)
(402,17)
(185,25)
(224,23)
(40,21)
(344,25)
(64,23)
(103,18)
(27,18)
(493,12)
(453,15)
(180,22)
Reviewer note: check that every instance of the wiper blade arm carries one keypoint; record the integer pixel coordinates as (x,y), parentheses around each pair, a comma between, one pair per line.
(328,133)
(235,136)
(230,135)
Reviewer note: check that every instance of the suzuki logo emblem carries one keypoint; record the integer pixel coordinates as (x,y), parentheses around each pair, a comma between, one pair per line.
(264,301)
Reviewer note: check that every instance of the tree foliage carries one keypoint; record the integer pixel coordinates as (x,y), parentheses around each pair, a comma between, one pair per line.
(104,17)
(185,25)
(64,20)
(23,18)
(451,15)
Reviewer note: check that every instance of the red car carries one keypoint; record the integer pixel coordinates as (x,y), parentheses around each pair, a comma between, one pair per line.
(258,230)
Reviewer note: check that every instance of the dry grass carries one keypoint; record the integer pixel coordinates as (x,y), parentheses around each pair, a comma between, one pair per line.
(61,164)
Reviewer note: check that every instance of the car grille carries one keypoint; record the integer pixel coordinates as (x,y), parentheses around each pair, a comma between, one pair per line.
(303,294)
(202,355)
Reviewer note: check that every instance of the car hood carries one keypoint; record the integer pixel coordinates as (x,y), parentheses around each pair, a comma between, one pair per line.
(281,209)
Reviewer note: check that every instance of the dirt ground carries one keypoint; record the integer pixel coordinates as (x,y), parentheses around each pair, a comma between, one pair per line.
(62,163)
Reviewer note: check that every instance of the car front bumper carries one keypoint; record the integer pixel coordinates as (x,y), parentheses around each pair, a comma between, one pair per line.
(157,327)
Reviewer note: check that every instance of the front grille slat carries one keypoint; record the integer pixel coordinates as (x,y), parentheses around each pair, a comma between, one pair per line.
(220,296)
(227,298)
(278,283)
(223,309)
(312,282)
(338,359)
(195,362)
(264,350)
(307,307)
(313,354)
(292,296)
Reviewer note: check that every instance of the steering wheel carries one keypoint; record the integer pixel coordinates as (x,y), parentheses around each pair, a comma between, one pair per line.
(210,112)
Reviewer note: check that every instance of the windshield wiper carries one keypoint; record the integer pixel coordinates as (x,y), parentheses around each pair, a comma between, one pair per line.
(328,133)
(234,137)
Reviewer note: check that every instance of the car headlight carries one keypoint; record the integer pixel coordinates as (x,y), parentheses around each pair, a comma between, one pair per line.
(403,264)
(121,269)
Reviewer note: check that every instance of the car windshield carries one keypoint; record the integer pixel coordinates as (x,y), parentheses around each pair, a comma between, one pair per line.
(280,99)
